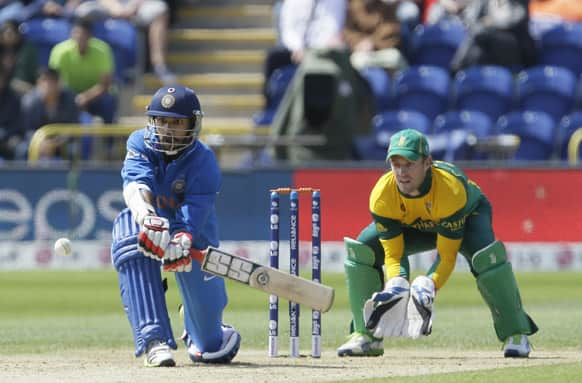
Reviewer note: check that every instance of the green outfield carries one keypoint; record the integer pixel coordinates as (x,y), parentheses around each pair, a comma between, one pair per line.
(45,311)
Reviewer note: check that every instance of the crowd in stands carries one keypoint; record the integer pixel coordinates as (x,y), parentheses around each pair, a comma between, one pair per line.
(484,67)
(478,67)
(64,61)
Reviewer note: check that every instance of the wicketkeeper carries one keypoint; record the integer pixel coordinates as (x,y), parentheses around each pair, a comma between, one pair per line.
(170,184)
(422,205)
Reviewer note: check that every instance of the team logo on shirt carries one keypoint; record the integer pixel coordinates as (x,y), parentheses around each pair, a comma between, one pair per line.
(428,207)
(178,186)
(168,101)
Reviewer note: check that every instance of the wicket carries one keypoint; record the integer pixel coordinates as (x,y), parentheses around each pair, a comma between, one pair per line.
(294,267)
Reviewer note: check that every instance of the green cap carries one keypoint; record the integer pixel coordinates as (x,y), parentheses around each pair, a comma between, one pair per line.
(408,143)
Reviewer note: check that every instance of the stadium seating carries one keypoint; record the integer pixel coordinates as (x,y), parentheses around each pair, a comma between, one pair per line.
(547,89)
(381,85)
(568,125)
(436,44)
(384,125)
(45,33)
(475,122)
(276,87)
(536,130)
(487,89)
(472,122)
(562,46)
(424,89)
(122,36)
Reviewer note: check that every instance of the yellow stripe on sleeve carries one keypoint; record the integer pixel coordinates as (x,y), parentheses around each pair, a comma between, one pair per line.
(447,249)
(393,251)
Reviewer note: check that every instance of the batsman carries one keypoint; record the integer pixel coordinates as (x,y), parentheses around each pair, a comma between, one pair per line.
(421,205)
(170,184)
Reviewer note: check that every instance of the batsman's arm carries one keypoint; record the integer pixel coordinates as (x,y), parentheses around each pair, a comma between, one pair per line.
(139,199)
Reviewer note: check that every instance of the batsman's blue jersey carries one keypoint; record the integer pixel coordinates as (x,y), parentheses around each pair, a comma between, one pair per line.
(184,189)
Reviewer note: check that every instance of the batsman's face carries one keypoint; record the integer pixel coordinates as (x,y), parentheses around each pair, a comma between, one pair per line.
(173,133)
(409,174)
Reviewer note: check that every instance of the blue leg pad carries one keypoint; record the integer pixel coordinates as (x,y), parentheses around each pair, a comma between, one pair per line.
(140,284)
(204,299)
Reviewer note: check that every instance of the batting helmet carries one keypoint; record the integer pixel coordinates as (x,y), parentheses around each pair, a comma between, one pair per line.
(172,102)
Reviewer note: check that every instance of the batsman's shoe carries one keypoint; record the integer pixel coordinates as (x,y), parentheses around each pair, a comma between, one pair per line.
(227,351)
(359,344)
(516,346)
(158,354)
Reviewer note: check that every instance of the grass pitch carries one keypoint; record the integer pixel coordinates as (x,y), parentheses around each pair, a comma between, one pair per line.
(44,311)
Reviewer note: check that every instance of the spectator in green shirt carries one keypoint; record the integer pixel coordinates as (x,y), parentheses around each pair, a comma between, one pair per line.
(85,65)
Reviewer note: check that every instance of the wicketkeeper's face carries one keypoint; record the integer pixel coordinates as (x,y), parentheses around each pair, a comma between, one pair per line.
(409,174)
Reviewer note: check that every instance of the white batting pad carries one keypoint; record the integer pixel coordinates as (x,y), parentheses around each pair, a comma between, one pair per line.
(420,307)
(385,312)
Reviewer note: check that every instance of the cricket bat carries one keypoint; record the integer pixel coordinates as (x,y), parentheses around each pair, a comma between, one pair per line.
(268,279)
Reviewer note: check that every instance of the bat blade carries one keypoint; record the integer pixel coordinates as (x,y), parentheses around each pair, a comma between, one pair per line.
(270,280)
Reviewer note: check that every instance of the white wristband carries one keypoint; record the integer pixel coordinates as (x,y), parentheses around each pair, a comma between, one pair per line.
(140,208)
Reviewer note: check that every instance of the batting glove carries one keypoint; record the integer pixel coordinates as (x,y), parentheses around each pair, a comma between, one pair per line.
(177,257)
(154,237)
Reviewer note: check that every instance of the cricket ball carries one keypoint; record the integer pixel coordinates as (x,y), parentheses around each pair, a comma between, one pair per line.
(63,247)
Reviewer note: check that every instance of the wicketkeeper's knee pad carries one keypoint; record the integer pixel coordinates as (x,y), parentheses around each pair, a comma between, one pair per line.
(141,287)
(363,279)
(498,287)
(229,347)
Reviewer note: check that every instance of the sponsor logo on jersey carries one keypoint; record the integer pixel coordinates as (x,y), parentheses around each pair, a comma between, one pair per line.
(454,225)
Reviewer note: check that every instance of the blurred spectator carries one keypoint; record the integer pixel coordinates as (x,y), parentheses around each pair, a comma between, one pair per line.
(498,35)
(327,100)
(10,10)
(303,25)
(441,10)
(565,10)
(47,103)
(408,12)
(547,14)
(152,15)
(18,57)
(10,128)
(85,65)
(306,24)
(52,8)
(372,32)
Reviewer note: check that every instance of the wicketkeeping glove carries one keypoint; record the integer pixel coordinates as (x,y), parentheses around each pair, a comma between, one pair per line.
(385,311)
(177,257)
(154,236)
(420,309)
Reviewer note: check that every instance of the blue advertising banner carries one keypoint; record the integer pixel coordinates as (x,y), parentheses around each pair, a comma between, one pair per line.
(47,204)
